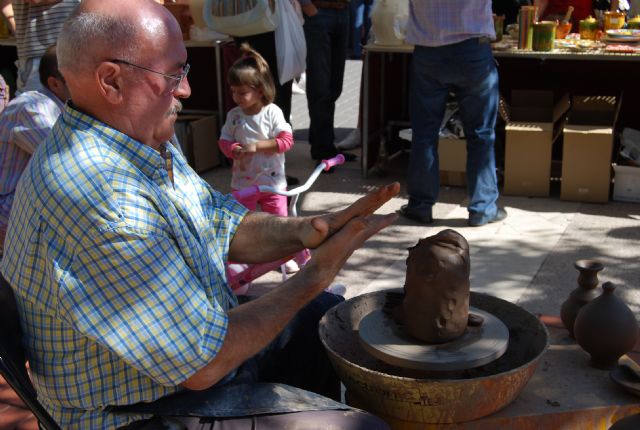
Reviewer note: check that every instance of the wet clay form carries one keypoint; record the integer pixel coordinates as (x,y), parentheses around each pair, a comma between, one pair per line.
(606,328)
(435,308)
(586,291)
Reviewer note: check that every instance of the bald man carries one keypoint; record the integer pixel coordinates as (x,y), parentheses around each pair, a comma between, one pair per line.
(116,252)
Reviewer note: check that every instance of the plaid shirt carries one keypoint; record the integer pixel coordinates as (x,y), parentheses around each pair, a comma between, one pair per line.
(444,22)
(119,275)
(24,123)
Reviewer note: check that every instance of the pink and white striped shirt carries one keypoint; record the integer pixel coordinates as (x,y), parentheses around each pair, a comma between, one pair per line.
(24,123)
(445,22)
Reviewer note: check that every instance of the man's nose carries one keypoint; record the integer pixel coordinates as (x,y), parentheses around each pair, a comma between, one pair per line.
(183,90)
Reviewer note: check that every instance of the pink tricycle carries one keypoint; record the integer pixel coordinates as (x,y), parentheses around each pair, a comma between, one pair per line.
(239,275)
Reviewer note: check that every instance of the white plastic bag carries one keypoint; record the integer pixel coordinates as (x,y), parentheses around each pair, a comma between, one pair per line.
(291,47)
(241,17)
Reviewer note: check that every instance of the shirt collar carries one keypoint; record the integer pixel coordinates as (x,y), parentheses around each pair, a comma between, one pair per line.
(143,157)
(47,92)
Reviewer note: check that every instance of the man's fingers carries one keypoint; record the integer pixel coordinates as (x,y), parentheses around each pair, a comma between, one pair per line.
(368,204)
(354,234)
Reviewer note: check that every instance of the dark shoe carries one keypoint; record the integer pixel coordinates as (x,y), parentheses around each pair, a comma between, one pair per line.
(292,181)
(348,157)
(422,219)
(326,171)
(474,221)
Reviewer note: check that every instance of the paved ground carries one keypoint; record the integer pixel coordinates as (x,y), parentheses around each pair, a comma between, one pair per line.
(528,259)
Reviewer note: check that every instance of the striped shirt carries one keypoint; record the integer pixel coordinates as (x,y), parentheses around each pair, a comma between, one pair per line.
(119,275)
(24,123)
(38,26)
(444,22)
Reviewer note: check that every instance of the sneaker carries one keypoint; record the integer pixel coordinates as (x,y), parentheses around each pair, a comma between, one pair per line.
(291,267)
(353,140)
(296,89)
(475,220)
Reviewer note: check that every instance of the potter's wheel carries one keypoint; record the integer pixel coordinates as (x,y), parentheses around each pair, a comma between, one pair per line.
(384,339)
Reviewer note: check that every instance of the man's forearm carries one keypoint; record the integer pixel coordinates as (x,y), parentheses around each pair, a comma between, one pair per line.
(255,324)
(263,237)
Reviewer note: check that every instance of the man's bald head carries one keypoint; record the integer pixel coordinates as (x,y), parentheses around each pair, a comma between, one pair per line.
(100,30)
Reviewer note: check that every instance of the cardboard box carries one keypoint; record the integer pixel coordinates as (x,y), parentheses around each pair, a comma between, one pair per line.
(538,105)
(626,186)
(527,164)
(452,155)
(586,163)
(198,135)
(594,110)
(587,148)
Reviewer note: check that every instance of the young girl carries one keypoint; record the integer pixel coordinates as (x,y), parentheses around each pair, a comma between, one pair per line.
(256,135)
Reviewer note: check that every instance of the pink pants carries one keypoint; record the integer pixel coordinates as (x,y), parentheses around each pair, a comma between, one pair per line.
(271,203)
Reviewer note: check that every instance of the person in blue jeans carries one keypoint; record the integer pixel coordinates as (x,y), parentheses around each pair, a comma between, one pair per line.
(452,54)
(326,29)
(360,23)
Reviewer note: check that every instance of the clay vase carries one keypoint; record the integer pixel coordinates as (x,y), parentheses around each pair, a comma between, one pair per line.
(435,308)
(606,328)
(586,291)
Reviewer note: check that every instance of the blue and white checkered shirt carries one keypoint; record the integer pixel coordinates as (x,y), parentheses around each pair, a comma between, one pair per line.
(444,22)
(24,124)
(119,275)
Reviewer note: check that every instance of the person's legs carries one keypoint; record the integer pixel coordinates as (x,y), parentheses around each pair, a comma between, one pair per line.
(326,34)
(316,31)
(428,99)
(477,98)
(273,204)
(296,357)
(339,45)
(356,24)
(249,202)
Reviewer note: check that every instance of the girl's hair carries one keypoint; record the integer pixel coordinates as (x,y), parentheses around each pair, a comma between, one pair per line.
(253,71)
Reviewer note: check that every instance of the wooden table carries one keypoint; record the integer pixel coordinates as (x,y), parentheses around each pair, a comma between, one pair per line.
(386,82)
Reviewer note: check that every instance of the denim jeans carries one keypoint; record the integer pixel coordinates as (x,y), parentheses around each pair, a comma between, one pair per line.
(360,22)
(327,35)
(468,70)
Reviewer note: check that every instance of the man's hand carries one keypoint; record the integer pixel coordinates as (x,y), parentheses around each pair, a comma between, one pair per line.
(262,237)
(322,227)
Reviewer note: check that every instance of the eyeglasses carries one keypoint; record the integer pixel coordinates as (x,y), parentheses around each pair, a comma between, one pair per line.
(177,78)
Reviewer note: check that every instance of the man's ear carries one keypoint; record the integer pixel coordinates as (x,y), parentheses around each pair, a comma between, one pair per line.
(56,86)
(109,82)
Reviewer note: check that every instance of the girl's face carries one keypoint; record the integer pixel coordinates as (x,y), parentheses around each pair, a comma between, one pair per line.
(249,99)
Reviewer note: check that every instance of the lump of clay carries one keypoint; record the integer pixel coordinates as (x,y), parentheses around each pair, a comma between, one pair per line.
(435,308)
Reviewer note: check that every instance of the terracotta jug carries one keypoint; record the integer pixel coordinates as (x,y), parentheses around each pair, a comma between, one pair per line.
(586,291)
(387,17)
(606,328)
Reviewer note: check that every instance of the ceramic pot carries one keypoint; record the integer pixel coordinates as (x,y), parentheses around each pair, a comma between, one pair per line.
(386,19)
(606,328)
(586,291)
